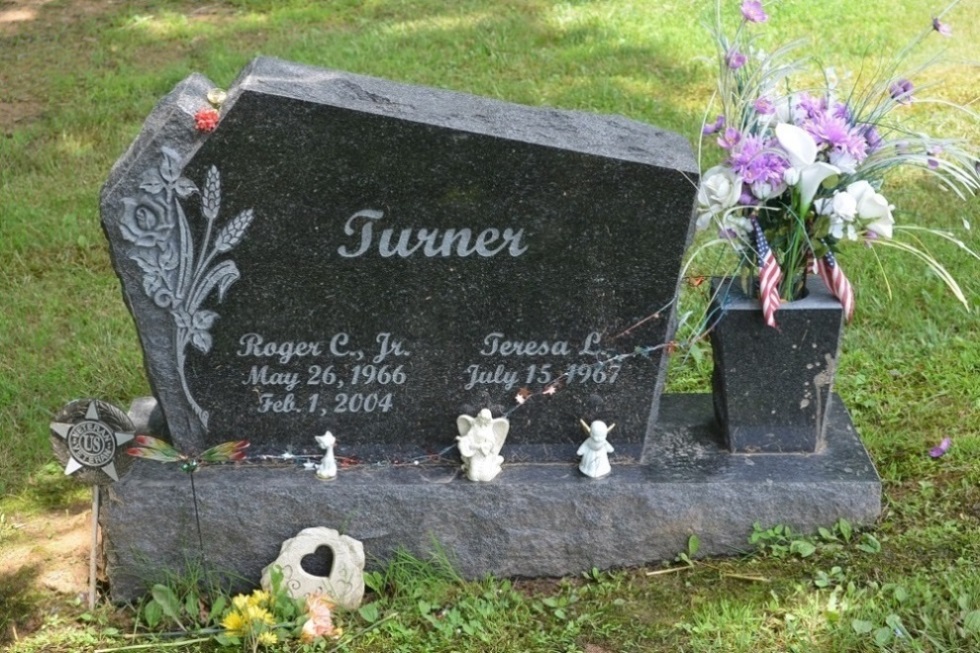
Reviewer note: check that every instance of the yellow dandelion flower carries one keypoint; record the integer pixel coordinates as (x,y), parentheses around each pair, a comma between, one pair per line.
(259,597)
(239,602)
(268,639)
(254,613)
(234,622)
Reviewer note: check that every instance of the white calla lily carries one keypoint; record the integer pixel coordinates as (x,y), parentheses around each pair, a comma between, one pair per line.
(801,150)
(812,177)
(799,145)
(872,206)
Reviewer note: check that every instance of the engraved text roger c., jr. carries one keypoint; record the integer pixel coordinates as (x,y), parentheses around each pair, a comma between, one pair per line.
(427,242)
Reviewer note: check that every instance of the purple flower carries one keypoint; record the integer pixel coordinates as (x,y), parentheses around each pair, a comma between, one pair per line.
(729,139)
(753,12)
(711,129)
(846,146)
(811,107)
(841,111)
(943,28)
(940,448)
(872,137)
(901,91)
(735,59)
(764,107)
(759,166)
(830,131)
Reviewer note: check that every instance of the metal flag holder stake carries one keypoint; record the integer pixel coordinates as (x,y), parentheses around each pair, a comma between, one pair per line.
(93,554)
(87,437)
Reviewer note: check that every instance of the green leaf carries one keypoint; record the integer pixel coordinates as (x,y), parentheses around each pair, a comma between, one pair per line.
(697,352)
(192,605)
(693,544)
(861,627)
(883,635)
(895,623)
(374,581)
(228,640)
(152,614)
(869,544)
(971,621)
(217,608)
(826,534)
(167,600)
(802,548)
(845,529)
(369,612)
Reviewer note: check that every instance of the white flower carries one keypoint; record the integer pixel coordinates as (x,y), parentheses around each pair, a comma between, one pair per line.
(842,209)
(736,226)
(844,160)
(719,191)
(872,206)
(801,151)
(764,190)
(784,109)
(831,76)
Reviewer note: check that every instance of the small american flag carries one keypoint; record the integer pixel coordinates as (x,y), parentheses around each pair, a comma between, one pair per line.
(769,276)
(834,277)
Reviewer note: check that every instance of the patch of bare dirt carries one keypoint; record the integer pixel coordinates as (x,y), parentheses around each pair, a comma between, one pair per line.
(12,113)
(56,545)
(17,15)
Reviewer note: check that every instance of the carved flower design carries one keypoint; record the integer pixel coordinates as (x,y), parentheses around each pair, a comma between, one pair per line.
(146,222)
(197,326)
(178,274)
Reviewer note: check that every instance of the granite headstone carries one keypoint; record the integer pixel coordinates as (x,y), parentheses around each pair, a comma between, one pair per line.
(372,258)
(352,254)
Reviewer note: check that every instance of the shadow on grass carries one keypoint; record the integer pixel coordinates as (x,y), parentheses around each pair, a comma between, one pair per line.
(18,603)
(47,489)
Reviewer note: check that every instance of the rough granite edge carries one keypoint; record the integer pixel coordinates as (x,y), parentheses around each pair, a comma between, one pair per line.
(608,135)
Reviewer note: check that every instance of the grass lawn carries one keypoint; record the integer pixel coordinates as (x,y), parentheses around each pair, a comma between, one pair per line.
(77,78)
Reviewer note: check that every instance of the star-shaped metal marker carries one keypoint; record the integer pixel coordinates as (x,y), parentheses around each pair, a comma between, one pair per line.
(91,443)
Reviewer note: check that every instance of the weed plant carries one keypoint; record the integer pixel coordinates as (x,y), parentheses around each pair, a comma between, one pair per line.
(78,78)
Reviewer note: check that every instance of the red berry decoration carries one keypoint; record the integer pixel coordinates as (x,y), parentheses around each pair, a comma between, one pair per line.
(206,120)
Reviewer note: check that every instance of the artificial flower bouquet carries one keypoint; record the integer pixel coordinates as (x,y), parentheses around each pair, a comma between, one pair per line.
(804,168)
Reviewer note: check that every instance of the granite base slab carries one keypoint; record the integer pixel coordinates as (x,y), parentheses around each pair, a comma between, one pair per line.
(535,519)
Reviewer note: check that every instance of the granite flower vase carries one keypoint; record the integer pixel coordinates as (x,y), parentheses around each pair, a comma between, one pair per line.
(772,386)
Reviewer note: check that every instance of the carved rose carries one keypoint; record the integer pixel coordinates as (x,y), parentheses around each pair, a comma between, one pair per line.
(146,222)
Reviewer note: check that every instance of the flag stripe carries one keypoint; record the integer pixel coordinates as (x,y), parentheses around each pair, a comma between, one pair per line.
(835,279)
(769,276)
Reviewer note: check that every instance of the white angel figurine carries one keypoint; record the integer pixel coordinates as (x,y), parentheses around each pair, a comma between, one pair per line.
(595,451)
(480,440)
(327,469)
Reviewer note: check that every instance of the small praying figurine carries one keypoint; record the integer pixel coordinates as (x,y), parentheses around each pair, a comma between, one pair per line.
(327,469)
(480,440)
(595,451)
